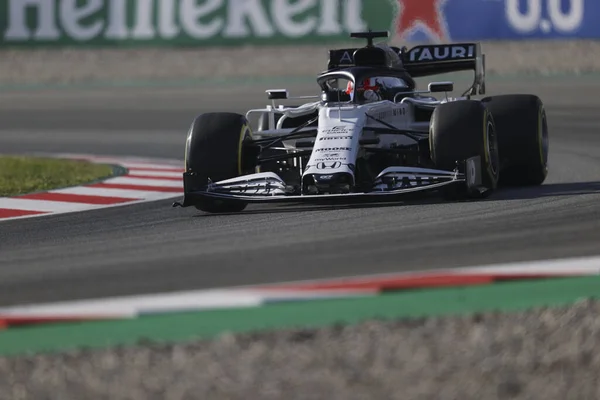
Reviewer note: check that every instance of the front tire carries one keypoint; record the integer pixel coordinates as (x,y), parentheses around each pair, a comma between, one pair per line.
(214,150)
(523,138)
(461,130)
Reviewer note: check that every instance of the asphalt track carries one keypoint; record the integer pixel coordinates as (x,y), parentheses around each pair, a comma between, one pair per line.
(155,248)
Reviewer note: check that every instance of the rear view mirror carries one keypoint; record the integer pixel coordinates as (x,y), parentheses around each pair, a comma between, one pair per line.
(439,87)
(277,94)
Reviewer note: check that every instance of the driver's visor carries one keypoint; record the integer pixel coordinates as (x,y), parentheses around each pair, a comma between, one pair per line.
(366,85)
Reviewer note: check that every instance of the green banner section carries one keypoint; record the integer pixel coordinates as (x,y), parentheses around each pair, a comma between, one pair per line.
(188,22)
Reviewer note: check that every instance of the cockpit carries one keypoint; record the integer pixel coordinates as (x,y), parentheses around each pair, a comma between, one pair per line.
(376,73)
(364,88)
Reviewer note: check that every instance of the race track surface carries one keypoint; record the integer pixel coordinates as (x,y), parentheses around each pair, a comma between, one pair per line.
(154,248)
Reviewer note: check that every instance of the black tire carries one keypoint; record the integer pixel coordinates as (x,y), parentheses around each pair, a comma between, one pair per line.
(461,130)
(522,138)
(214,151)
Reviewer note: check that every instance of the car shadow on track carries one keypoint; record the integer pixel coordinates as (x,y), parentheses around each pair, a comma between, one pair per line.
(299,208)
(280,209)
(548,190)
(524,193)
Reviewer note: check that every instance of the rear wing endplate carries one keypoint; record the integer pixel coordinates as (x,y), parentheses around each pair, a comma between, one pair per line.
(427,60)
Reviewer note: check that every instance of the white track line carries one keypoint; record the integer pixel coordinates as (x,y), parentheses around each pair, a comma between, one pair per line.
(44,205)
(128,164)
(134,162)
(108,192)
(126,180)
(130,306)
(157,174)
(191,300)
(567,267)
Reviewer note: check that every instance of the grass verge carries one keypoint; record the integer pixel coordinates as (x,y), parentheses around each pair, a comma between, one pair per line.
(21,175)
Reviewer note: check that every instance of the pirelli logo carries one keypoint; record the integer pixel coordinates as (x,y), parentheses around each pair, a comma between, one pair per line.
(336,138)
(335,149)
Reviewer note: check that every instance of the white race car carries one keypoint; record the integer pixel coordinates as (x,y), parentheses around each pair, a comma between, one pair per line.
(370,135)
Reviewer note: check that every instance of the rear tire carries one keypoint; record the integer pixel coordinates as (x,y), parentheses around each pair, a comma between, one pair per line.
(461,130)
(214,150)
(522,138)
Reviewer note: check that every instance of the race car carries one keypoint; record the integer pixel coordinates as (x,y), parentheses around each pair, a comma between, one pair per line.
(370,135)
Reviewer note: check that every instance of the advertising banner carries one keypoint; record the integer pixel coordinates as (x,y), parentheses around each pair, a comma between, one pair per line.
(187,22)
(270,22)
(460,20)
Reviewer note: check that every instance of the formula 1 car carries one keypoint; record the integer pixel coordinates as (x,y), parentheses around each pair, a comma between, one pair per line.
(370,135)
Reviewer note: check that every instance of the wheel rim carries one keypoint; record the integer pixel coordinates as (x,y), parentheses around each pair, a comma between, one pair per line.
(246,133)
(543,138)
(492,147)
(188,142)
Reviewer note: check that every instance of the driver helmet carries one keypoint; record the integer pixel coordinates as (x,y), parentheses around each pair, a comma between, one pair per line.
(371,88)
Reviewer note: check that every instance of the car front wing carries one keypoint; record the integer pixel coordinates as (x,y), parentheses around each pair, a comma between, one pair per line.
(392,184)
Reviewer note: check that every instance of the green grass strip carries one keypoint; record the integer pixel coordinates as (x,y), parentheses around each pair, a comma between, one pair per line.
(20,175)
(192,325)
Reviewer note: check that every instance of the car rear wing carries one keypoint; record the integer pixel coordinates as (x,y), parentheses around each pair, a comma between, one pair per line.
(427,60)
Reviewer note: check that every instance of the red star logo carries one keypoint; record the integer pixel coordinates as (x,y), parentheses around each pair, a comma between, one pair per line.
(424,14)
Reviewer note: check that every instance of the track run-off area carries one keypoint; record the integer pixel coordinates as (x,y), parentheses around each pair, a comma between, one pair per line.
(153,248)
